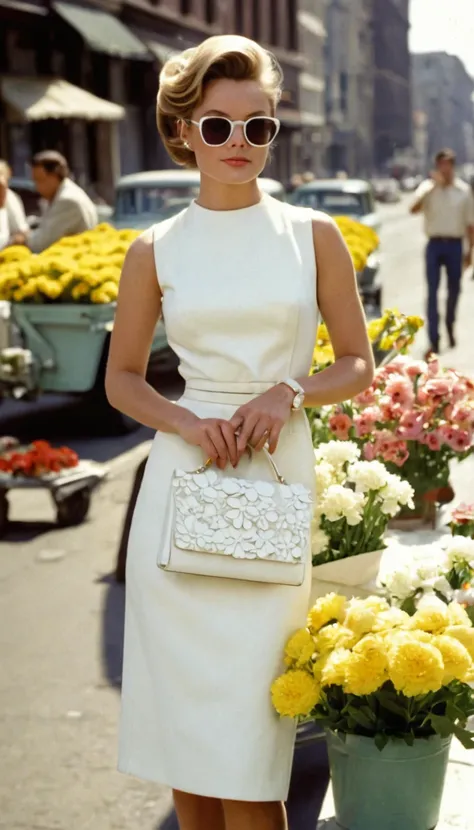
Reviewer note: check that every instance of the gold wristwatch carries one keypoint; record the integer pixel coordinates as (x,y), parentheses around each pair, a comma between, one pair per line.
(298,400)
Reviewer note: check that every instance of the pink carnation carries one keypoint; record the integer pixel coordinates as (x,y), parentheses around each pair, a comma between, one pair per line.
(383,441)
(397,453)
(435,390)
(400,390)
(463,415)
(458,440)
(416,368)
(411,425)
(340,424)
(366,397)
(389,410)
(433,440)
(369,451)
(365,422)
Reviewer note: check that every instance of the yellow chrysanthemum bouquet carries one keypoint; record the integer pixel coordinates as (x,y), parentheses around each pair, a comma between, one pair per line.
(360,239)
(364,668)
(78,269)
(391,334)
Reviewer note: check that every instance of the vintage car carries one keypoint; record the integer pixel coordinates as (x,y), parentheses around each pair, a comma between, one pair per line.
(145,198)
(353,198)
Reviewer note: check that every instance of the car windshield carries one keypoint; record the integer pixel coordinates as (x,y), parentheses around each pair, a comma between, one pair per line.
(134,201)
(335,202)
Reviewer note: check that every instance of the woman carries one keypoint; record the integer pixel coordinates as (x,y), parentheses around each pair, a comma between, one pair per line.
(12,212)
(235,276)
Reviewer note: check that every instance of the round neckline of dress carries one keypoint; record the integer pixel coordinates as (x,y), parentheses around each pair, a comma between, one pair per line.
(230,212)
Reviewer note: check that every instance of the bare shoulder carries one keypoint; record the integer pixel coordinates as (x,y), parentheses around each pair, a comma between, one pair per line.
(325,230)
(139,259)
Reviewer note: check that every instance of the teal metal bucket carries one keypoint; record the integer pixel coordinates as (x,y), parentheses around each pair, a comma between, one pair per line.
(399,788)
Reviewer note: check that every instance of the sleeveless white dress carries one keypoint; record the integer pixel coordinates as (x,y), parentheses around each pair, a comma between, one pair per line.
(239,304)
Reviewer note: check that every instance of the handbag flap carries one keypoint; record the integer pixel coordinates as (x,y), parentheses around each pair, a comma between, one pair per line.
(241,518)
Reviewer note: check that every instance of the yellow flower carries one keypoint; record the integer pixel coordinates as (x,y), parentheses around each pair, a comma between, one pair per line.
(415,668)
(323,354)
(457,615)
(295,694)
(299,648)
(51,288)
(463,635)
(334,670)
(362,614)
(395,636)
(326,609)
(334,636)
(456,658)
(323,334)
(393,618)
(432,618)
(415,321)
(367,667)
(14,253)
(375,329)
(80,290)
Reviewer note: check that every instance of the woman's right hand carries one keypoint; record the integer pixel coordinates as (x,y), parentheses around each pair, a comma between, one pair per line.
(215,436)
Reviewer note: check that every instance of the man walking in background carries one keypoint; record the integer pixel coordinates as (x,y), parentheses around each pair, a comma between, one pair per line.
(447,204)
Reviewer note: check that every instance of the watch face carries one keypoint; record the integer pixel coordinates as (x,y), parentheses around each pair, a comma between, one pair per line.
(298,401)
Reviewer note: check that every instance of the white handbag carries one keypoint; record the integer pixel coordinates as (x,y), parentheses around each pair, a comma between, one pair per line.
(237,528)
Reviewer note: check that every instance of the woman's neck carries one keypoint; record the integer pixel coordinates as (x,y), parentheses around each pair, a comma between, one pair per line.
(215,195)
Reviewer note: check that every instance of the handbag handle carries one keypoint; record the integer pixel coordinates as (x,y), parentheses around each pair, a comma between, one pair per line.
(250,451)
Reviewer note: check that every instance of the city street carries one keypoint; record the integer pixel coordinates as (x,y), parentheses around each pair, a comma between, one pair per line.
(62,617)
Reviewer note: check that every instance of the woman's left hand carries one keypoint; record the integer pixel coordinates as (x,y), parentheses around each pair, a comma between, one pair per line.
(260,421)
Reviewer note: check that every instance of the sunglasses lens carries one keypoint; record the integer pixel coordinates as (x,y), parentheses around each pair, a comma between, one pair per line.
(216,131)
(260,131)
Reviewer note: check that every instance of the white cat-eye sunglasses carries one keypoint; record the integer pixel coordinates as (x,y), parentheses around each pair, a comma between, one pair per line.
(216,130)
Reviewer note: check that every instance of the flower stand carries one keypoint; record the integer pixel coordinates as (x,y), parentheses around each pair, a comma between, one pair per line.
(397,789)
(354,576)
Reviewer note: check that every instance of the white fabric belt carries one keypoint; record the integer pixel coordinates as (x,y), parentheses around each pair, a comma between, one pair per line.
(225,392)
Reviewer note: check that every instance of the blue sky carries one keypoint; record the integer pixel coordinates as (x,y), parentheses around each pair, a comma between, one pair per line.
(444,25)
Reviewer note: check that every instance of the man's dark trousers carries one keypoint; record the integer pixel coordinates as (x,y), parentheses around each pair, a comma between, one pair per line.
(441,252)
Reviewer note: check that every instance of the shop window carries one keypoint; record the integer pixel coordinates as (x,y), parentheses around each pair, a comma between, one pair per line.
(186,6)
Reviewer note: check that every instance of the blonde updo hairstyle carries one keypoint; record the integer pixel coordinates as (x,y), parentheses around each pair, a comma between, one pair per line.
(184,78)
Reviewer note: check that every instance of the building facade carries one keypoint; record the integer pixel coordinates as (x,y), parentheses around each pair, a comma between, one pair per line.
(349,62)
(392,117)
(114,49)
(312,43)
(443,90)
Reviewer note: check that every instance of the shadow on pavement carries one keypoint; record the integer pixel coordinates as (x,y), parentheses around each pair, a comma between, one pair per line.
(113,619)
(18,532)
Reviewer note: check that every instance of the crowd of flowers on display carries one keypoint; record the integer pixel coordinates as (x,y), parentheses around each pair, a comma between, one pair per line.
(399,662)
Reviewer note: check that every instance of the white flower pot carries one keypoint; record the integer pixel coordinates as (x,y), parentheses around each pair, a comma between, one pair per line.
(355,576)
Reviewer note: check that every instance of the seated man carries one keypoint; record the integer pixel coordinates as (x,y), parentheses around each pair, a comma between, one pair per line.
(69,209)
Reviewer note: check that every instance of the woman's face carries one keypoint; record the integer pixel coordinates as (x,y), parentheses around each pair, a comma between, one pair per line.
(236,161)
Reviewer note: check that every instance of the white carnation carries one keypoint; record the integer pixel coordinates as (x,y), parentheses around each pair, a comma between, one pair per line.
(341,503)
(337,453)
(319,541)
(460,550)
(324,477)
(368,475)
(401,583)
